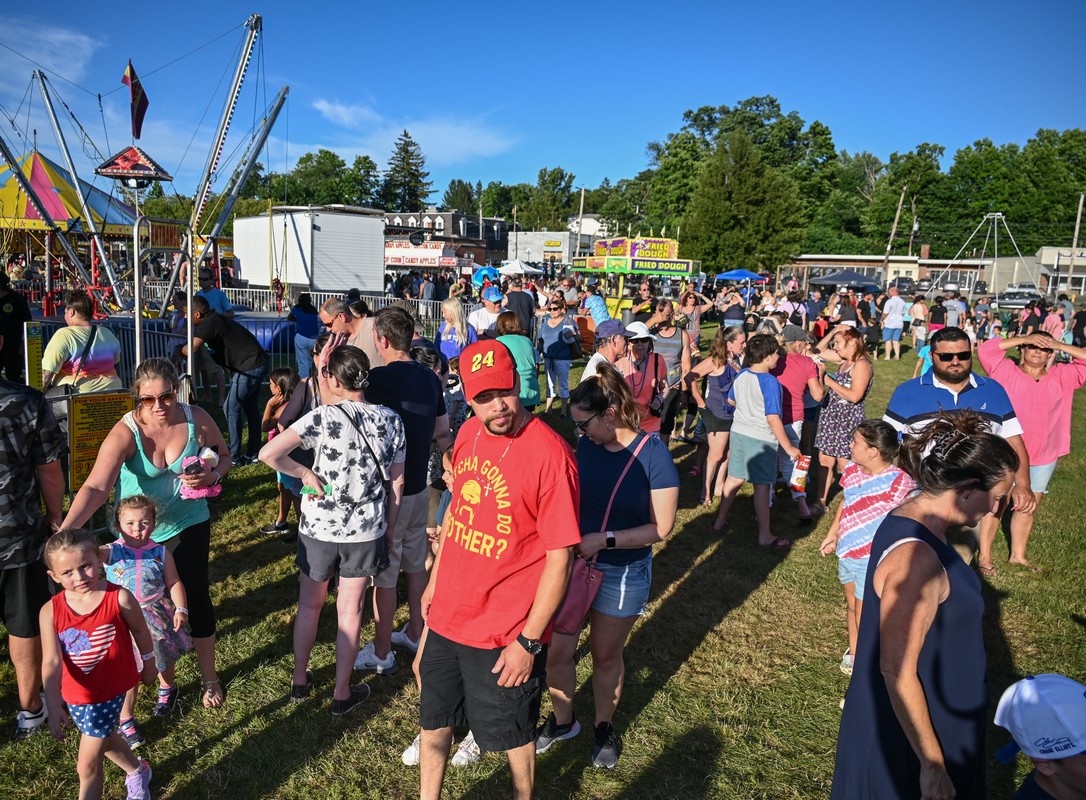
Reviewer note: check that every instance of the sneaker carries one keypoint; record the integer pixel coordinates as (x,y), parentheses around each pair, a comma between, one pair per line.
(132,734)
(138,784)
(300,691)
(468,752)
(401,639)
(167,702)
(605,747)
(275,527)
(410,757)
(358,693)
(26,722)
(552,732)
(846,663)
(367,661)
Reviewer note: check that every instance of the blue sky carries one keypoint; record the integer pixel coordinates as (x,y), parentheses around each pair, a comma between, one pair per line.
(496,90)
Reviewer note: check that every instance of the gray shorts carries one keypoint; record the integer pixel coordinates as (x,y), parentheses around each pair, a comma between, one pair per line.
(321,560)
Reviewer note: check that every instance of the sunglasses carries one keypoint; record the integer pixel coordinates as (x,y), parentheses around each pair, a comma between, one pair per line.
(165,397)
(582,426)
(1035,347)
(554,308)
(946,358)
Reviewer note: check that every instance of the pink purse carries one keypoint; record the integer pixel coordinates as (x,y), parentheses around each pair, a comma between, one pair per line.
(584,580)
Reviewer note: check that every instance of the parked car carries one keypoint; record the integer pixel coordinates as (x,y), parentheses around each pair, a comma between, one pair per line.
(1015,300)
(904,285)
(980,287)
(923,285)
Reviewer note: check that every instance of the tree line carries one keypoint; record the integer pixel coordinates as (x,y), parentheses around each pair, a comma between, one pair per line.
(748,185)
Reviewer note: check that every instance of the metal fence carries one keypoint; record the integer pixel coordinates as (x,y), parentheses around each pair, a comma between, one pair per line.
(157,341)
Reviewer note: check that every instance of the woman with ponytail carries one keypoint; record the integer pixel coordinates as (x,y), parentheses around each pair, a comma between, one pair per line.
(351,498)
(629,496)
(917,707)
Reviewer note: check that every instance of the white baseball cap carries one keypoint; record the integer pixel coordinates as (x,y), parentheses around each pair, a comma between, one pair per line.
(1046,715)
(639,330)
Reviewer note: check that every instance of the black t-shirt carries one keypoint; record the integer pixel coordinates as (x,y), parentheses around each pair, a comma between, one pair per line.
(937,314)
(413,392)
(1031,791)
(520,303)
(14,311)
(1078,324)
(231,343)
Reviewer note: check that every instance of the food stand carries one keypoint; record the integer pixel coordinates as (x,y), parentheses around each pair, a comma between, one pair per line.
(639,257)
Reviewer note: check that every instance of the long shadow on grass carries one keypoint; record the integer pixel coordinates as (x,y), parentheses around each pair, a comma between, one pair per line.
(1001,674)
(700,597)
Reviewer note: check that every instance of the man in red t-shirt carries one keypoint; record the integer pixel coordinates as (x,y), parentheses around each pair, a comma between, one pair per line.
(797,372)
(500,573)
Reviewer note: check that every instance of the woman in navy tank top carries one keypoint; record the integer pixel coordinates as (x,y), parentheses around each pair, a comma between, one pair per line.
(917,707)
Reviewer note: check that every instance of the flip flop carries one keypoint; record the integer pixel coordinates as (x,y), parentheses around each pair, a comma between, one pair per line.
(778,543)
(987,571)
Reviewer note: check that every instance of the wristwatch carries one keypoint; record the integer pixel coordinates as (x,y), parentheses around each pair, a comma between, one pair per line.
(611,543)
(533,646)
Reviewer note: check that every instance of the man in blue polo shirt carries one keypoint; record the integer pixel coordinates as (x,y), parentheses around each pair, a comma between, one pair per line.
(951,385)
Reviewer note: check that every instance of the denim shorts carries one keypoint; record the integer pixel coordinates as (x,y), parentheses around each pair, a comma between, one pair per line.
(891,334)
(854,571)
(624,590)
(1040,475)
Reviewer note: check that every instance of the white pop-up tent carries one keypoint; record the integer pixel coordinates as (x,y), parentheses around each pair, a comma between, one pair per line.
(518,267)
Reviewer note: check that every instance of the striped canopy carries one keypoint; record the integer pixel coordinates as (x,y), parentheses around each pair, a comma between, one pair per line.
(54,187)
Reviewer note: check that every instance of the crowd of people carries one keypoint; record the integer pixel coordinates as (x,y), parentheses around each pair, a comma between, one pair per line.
(443,460)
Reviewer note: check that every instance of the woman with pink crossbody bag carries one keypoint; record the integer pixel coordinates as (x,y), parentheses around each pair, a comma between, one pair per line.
(629,495)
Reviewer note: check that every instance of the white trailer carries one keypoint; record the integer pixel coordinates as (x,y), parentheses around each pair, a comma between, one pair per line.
(324,248)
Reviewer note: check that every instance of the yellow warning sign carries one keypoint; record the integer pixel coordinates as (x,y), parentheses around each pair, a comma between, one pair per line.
(91,418)
(35,346)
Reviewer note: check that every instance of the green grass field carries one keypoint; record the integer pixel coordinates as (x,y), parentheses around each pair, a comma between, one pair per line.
(732,686)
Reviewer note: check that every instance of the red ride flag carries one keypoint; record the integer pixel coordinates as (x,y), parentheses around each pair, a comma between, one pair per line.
(139,99)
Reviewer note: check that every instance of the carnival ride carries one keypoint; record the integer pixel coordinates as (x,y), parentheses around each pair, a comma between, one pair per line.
(54,207)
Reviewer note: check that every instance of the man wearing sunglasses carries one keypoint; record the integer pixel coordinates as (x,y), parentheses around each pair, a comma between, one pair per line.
(952,385)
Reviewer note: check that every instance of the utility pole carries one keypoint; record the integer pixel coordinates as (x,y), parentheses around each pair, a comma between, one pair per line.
(580,219)
(893,232)
(1074,247)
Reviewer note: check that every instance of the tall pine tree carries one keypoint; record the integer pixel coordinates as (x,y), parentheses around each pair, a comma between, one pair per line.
(406,186)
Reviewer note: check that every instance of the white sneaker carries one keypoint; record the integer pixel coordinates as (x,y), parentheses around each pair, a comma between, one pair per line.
(468,752)
(367,661)
(27,722)
(410,757)
(401,639)
(846,663)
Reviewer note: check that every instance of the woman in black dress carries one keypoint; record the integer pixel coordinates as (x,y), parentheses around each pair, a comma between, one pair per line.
(917,708)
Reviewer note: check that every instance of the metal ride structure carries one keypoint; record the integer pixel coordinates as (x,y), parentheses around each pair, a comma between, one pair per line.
(96,239)
(185,253)
(54,229)
(993,220)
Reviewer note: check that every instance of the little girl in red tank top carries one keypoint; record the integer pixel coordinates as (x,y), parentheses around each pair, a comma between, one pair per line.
(88,660)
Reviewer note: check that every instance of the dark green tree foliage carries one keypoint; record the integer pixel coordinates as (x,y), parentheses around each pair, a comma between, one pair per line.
(406,186)
(677,166)
(317,179)
(460,196)
(744,213)
(624,209)
(361,183)
(551,200)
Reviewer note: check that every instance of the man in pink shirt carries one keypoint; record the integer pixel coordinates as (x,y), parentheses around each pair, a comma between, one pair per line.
(797,372)
(1042,396)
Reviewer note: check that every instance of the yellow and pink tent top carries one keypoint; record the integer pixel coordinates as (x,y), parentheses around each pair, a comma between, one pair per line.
(56,190)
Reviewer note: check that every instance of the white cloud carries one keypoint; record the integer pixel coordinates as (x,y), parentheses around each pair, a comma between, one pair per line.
(64,51)
(345,116)
(445,141)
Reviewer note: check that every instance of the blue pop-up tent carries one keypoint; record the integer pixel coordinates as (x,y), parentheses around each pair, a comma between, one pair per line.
(740,275)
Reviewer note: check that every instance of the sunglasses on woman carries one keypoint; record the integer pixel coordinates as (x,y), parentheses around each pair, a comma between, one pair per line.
(582,425)
(165,397)
(554,308)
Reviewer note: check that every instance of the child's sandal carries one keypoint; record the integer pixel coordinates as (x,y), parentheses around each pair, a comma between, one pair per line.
(214,694)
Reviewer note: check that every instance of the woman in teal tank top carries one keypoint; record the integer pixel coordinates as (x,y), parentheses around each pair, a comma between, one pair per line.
(143,455)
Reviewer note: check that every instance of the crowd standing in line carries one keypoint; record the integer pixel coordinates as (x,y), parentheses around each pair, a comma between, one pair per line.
(367,454)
